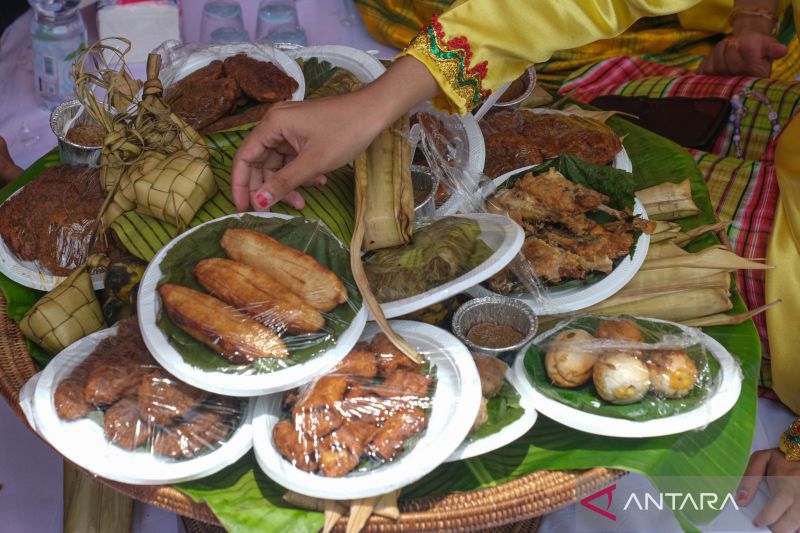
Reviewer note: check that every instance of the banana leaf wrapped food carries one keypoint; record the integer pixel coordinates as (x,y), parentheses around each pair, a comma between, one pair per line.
(438,253)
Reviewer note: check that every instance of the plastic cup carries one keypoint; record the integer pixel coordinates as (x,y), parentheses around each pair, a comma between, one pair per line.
(274,15)
(219,14)
(287,35)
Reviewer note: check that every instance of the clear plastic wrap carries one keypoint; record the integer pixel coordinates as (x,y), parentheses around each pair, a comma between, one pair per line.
(220,87)
(250,304)
(47,227)
(106,404)
(631,368)
(376,422)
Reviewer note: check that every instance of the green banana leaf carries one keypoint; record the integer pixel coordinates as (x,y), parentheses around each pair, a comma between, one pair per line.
(311,238)
(503,409)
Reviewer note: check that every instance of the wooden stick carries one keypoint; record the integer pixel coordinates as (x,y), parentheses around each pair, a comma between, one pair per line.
(90,506)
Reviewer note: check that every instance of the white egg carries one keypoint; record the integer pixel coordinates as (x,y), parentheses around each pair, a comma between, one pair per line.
(570,359)
(672,372)
(621,377)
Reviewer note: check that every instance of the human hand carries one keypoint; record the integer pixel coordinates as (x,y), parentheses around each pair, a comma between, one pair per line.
(782,512)
(748,53)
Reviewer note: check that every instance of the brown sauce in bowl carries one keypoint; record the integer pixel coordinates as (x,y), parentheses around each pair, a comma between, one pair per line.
(491,335)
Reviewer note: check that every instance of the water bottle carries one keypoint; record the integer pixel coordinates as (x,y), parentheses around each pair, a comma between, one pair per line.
(58,35)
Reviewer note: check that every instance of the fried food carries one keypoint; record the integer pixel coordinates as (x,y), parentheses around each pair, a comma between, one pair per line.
(259,295)
(259,80)
(404,384)
(184,441)
(391,438)
(163,400)
(295,446)
(571,358)
(519,138)
(206,103)
(359,362)
(492,372)
(212,71)
(125,426)
(619,329)
(389,357)
(300,273)
(340,452)
(318,411)
(117,371)
(68,396)
(483,414)
(56,232)
(232,334)
(253,114)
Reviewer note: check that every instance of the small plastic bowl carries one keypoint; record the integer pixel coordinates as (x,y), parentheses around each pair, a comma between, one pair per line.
(498,310)
(72,153)
(425,185)
(529,80)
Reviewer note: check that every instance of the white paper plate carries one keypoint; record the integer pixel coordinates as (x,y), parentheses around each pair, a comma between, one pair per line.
(363,66)
(455,406)
(184,66)
(577,298)
(229,384)
(505,436)
(721,399)
(84,443)
(28,273)
(500,233)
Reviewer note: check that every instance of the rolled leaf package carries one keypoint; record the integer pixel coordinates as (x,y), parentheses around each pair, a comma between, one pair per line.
(252,295)
(623,367)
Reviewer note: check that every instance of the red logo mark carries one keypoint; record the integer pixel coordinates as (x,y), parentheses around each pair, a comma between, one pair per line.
(608,491)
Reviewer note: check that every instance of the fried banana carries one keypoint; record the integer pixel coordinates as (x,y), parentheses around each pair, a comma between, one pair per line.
(300,273)
(234,335)
(258,294)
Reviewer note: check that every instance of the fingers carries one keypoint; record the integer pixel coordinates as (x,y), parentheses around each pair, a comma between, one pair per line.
(752,477)
(778,504)
(297,172)
(775,50)
(789,522)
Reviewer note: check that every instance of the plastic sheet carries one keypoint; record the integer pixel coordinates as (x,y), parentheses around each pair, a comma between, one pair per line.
(238,300)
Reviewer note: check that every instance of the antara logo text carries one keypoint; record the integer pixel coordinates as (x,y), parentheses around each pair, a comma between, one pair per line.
(675,501)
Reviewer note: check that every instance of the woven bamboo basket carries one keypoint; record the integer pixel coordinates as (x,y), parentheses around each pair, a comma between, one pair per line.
(510,507)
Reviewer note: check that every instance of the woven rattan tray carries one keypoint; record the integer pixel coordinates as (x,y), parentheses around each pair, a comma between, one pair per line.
(507,507)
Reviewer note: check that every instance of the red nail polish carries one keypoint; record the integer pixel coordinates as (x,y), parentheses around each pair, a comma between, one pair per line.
(263,200)
(741,495)
(756,523)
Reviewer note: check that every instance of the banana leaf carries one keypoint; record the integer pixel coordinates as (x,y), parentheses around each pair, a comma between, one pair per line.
(503,409)
(311,238)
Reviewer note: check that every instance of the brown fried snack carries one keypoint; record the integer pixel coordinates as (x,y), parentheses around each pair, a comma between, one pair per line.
(68,396)
(163,399)
(492,372)
(189,438)
(56,231)
(253,114)
(260,80)
(340,452)
(392,436)
(201,76)
(404,384)
(295,446)
(359,362)
(389,357)
(117,373)
(206,102)
(362,403)
(318,411)
(124,425)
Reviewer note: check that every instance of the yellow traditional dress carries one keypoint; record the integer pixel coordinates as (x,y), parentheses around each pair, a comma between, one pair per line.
(477,45)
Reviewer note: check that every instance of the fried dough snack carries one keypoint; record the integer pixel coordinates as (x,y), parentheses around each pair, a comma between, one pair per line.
(163,400)
(234,335)
(300,273)
(125,426)
(391,437)
(260,80)
(207,103)
(259,295)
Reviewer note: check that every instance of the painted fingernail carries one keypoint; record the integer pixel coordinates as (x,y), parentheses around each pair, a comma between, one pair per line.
(756,523)
(264,199)
(741,496)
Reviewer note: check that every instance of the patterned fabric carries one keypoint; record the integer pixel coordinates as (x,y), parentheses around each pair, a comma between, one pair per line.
(743,191)
(397,22)
(452,57)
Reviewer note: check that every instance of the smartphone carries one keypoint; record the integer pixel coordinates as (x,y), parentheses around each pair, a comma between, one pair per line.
(690,122)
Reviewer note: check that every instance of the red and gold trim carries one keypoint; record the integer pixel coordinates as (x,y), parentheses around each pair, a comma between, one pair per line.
(453,58)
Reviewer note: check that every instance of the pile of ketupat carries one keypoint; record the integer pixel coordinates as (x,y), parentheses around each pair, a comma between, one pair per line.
(672,283)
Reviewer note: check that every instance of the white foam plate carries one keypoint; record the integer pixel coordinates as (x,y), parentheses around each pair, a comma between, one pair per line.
(84,443)
(500,233)
(230,384)
(363,66)
(506,435)
(454,407)
(577,298)
(721,399)
(184,66)
(28,273)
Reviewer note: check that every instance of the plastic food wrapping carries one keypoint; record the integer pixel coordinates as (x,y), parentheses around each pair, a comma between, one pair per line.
(376,422)
(250,295)
(107,405)
(220,87)
(625,367)
(47,227)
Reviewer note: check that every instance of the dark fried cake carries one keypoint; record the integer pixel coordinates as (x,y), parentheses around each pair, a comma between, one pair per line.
(210,72)
(253,114)
(259,80)
(205,103)
(51,220)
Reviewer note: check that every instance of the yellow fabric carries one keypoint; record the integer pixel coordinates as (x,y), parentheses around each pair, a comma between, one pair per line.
(784,281)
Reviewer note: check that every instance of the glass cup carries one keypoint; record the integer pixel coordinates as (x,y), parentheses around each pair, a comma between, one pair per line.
(287,35)
(274,15)
(229,36)
(219,14)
